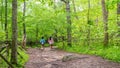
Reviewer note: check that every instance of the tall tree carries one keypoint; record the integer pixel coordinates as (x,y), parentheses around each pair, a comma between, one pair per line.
(88,22)
(69,37)
(1,13)
(24,26)
(105,19)
(118,17)
(14,33)
(6,27)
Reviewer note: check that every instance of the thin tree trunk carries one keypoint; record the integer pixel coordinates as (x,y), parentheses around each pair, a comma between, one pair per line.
(36,33)
(69,23)
(6,27)
(14,33)
(6,30)
(105,19)
(88,21)
(69,38)
(73,1)
(118,17)
(69,31)
(24,27)
(1,14)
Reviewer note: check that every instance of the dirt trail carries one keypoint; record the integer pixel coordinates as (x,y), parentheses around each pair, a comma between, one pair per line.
(52,59)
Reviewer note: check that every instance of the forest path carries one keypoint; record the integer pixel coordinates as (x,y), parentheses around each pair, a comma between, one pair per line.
(53,59)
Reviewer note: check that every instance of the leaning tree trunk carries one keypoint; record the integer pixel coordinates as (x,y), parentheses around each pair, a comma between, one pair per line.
(24,27)
(105,19)
(118,17)
(14,33)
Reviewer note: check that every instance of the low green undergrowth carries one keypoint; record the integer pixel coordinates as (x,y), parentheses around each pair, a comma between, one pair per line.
(110,52)
(22,59)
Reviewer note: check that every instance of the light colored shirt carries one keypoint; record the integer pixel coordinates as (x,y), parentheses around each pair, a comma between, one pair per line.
(51,41)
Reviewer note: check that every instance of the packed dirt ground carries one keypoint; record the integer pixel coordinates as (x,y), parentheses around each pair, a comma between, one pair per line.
(54,59)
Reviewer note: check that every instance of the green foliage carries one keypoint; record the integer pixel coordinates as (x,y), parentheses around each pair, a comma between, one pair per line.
(2,34)
(46,18)
(21,61)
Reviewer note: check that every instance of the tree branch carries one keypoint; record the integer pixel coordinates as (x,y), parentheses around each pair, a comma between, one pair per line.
(64,1)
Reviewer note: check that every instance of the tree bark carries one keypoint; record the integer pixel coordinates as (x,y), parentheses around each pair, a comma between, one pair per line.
(118,17)
(14,33)
(105,20)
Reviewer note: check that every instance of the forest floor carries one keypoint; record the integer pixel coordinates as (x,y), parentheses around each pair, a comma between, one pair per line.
(53,59)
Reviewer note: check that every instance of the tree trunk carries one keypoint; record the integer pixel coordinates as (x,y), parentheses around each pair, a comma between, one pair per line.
(1,14)
(73,1)
(69,38)
(24,27)
(6,27)
(118,17)
(105,19)
(14,33)
(88,21)
(36,33)
(6,30)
